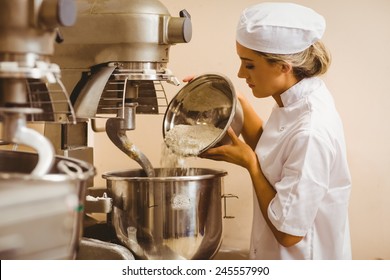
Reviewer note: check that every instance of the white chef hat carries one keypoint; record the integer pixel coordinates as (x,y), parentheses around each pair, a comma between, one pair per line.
(279,28)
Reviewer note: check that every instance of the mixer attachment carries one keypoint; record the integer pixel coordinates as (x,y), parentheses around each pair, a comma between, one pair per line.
(116,131)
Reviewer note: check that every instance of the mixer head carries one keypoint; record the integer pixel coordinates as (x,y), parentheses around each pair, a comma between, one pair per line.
(121,50)
(43,201)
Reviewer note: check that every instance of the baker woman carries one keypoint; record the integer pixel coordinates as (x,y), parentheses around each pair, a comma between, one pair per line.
(296,160)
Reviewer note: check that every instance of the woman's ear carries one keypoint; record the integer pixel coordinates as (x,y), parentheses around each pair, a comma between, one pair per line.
(286,68)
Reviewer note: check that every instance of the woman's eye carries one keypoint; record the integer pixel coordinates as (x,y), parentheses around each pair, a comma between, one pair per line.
(249,66)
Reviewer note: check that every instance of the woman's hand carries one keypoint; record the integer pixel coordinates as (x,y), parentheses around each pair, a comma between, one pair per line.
(238,152)
(188,78)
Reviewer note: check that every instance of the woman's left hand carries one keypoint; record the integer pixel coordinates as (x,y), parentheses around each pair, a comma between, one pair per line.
(238,152)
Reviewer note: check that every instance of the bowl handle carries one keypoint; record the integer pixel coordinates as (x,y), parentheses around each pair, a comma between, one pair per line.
(226,196)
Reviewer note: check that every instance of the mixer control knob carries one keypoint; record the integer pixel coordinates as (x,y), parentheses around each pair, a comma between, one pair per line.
(180,28)
(59,12)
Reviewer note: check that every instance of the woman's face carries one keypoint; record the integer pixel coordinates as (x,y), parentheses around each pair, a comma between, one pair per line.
(265,79)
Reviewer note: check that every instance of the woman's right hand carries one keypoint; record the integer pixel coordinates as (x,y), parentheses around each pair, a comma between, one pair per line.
(188,78)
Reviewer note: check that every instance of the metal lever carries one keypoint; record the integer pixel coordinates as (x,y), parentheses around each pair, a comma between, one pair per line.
(184,13)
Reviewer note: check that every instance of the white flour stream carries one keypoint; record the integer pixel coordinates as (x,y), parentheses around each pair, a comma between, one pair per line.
(184,141)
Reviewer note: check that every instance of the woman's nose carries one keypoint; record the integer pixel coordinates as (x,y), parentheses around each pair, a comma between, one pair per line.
(241,73)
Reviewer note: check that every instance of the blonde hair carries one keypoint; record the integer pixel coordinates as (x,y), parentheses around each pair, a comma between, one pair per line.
(313,61)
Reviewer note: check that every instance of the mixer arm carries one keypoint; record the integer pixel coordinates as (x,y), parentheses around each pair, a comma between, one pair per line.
(117,134)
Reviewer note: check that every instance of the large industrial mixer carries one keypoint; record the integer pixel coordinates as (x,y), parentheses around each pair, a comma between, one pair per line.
(41,195)
(115,59)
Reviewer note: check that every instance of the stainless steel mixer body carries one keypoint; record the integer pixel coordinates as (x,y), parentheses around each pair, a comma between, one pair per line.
(27,33)
(136,31)
(42,196)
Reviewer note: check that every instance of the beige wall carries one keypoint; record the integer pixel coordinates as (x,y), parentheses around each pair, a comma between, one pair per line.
(358,35)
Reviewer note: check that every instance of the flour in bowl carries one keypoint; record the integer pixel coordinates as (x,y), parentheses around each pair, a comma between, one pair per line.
(189,140)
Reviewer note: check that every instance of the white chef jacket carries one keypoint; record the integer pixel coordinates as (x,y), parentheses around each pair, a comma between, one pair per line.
(302,154)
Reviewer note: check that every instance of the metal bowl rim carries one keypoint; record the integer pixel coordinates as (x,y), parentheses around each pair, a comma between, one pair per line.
(114,176)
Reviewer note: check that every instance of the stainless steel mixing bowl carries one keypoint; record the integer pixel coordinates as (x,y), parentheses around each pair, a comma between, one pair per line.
(41,216)
(175,215)
(209,99)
